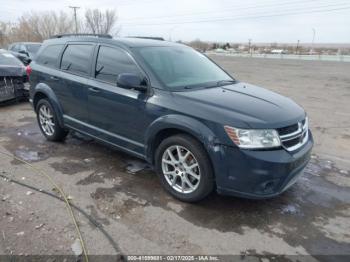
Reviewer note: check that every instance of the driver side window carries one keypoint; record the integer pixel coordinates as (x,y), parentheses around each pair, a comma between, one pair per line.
(111,62)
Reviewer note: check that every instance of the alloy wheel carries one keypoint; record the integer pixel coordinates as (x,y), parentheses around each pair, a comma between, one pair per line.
(181,169)
(46,120)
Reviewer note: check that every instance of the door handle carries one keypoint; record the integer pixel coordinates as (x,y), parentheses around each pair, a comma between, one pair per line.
(54,78)
(94,89)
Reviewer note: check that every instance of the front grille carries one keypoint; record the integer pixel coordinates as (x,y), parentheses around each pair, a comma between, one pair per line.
(294,136)
(291,142)
(287,130)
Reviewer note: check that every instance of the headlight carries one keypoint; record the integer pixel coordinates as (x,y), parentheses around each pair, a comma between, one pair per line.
(253,138)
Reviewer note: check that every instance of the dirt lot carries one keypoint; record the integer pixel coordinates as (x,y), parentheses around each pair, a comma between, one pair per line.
(125,197)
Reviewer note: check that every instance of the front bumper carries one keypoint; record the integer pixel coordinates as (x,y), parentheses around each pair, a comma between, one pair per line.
(259,174)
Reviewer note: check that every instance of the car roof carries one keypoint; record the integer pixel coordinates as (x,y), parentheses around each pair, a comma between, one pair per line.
(127,42)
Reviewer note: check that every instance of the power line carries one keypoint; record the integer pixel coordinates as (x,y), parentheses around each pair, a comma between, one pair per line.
(242,17)
(245,15)
(236,7)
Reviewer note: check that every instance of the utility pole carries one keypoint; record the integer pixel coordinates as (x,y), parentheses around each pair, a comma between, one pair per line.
(313,40)
(297,48)
(249,46)
(75,17)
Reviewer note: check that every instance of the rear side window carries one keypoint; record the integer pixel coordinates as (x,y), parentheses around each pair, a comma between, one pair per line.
(111,62)
(49,55)
(33,48)
(76,59)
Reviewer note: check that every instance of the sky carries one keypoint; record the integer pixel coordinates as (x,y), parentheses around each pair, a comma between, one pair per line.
(262,21)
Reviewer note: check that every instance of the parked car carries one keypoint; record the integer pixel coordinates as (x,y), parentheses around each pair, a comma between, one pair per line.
(172,106)
(24,51)
(13,78)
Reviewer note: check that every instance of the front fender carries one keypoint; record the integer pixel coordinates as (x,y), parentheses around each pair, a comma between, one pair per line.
(43,89)
(186,124)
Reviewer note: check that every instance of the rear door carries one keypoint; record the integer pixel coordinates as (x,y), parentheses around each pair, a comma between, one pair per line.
(75,71)
(116,114)
(45,68)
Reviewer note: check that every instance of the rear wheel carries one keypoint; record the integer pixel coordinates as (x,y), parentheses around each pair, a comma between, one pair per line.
(184,168)
(47,120)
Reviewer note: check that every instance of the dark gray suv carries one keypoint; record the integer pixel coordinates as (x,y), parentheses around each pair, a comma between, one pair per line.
(172,106)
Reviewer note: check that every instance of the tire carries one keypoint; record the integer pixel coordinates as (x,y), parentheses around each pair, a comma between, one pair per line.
(48,123)
(172,176)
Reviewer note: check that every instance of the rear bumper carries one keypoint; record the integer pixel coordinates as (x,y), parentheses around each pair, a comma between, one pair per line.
(259,174)
(22,93)
(13,92)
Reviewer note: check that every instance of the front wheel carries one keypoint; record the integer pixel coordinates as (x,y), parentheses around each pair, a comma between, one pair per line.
(184,168)
(47,120)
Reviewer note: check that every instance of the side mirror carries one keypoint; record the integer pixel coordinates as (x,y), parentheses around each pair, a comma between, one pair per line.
(131,81)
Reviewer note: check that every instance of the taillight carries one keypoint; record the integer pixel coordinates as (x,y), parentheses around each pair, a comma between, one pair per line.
(28,70)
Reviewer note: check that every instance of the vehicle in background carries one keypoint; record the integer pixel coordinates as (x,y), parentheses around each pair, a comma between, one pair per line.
(24,51)
(172,106)
(13,77)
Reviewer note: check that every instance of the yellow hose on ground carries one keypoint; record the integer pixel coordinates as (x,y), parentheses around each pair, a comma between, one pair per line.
(68,206)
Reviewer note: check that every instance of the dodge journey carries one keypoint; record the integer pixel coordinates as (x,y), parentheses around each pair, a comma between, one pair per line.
(199,127)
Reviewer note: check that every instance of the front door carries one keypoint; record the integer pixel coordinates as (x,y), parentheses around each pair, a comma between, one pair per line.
(116,114)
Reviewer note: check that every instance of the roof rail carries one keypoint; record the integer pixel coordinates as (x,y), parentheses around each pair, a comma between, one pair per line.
(82,35)
(148,37)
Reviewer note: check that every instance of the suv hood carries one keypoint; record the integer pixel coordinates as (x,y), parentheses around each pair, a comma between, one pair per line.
(241,105)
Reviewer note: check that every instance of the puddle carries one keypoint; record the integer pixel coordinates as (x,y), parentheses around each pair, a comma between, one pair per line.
(28,155)
(70,167)
(134,166)
(290,209)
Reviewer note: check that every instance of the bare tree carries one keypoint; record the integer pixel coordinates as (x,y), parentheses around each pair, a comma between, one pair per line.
(38,26)
(4,28)
(99,22)
(199,45)
(45,24)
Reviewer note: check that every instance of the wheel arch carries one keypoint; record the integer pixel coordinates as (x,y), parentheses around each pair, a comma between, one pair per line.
(170,125)
(44,91)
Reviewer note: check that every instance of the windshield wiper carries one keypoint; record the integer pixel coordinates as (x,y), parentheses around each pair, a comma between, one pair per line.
(225,82)
(211,84)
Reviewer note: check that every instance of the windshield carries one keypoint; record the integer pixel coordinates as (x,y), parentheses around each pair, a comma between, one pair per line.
(183,67)
(33,48)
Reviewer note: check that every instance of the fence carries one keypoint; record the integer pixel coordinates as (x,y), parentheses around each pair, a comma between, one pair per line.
(336,58)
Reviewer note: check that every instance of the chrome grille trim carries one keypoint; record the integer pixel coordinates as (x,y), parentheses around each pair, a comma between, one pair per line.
(303,131)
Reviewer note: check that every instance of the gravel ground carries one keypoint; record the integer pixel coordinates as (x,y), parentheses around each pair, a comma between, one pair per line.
(124,196)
